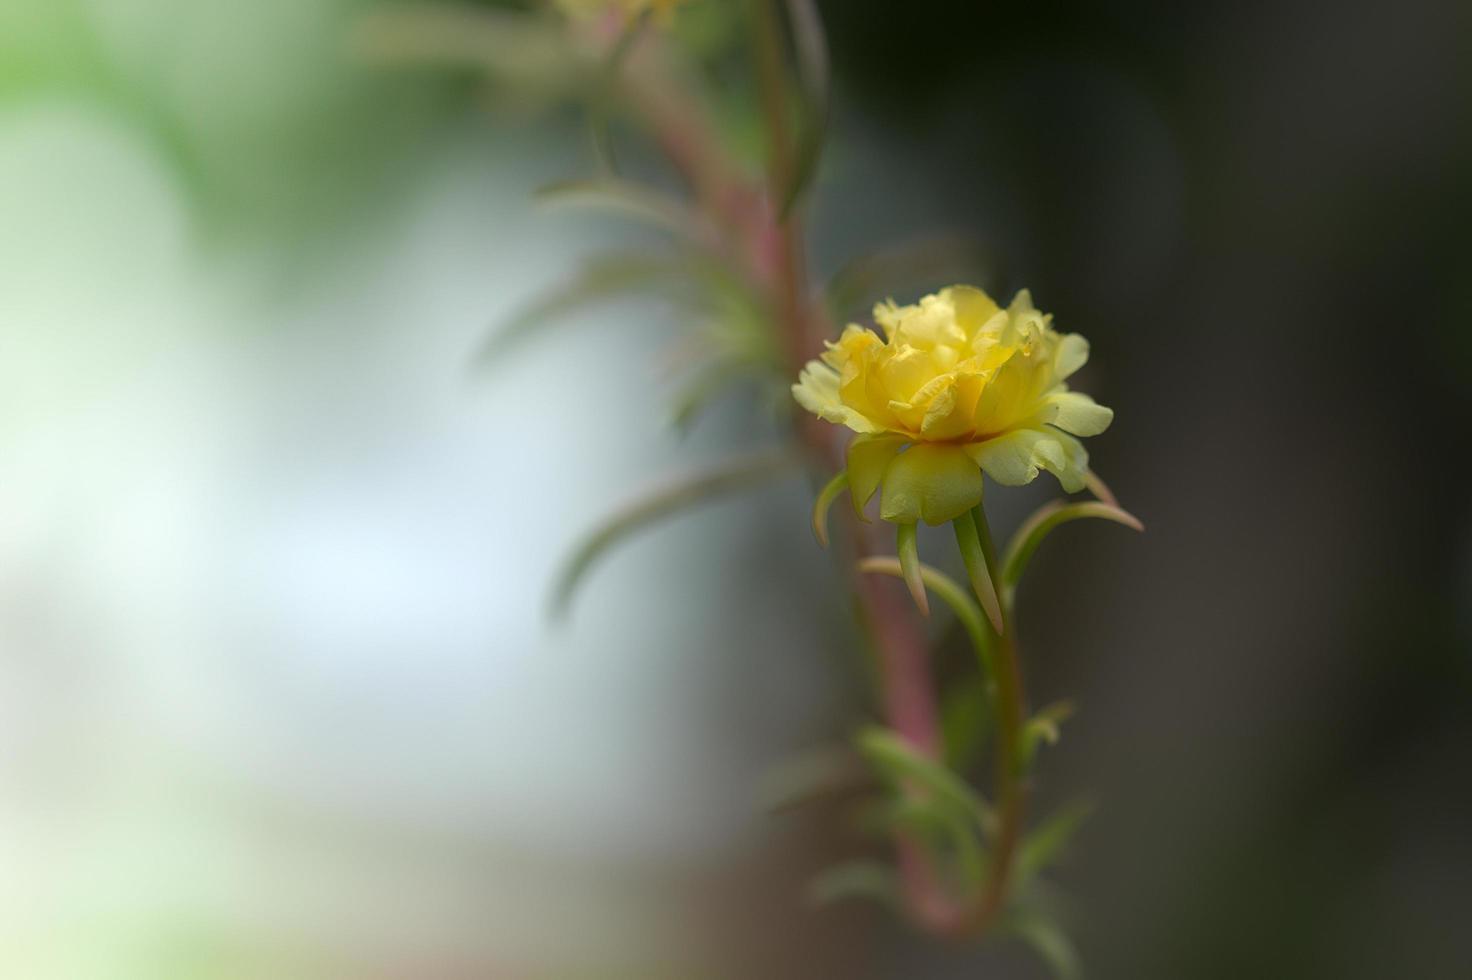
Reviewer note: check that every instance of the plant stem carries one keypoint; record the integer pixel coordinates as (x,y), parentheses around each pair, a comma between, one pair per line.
(908,689)
(1011,707)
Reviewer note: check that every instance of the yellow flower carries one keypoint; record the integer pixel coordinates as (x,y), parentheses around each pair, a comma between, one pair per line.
(957,387)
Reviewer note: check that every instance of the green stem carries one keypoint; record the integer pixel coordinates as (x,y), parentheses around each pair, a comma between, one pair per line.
(1010,791)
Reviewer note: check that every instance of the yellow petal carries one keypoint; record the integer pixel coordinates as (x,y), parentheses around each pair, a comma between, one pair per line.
(817,391)
(933,483)
(1073,411)
(973,307)
(1015,458)
(1072,354)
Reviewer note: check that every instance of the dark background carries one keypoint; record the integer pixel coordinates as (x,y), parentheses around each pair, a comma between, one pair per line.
(1258,214)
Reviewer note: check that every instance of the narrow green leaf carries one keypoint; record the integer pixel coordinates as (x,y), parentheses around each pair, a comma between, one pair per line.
(627,198)
(601,98)
(824,504)
(1040,728)
(1046,844)
(1044,520)
(813,73)
(1047,939)
(976,570)
(822,771)
(905,268)
(959,599)
(869,880)
(601,278)
(903,765)
(671,497)
(1099,488)
(965,720)
(717,377)
(908,551)
(530,54)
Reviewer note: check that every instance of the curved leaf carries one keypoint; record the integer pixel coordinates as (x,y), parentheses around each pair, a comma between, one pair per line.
(959,599)
(1052,945)
(604,277)
(824,503)
(965,719)
(908,550)
(1042,727)
(709,383)
(1044,520)
(532,55)
(1045,844)
(976,568)
(676,495)
(1099,488)
(856,879)
(626,198)
(601,98)
(902,764)
(818,772)
(813,72)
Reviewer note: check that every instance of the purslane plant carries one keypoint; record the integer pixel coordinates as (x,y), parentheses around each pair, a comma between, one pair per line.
(951,391)
(958,389)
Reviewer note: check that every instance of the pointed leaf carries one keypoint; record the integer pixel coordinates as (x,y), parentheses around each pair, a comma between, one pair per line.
(626,198)
(968,613)
(965,720)
(1047,939)
(1044,520)
(818,772)
(710,383)
(530,55)
(661,502)
(601,98)
(1099,488)
(1040,728)
(1046,844)
(976,569)
(856,880)
(909,556)
(903,765)
(601,278)
(813,76)
(824,503)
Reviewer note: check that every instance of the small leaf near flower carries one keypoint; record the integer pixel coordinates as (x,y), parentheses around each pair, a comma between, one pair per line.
(909,555)
(824,503)
(1044,520)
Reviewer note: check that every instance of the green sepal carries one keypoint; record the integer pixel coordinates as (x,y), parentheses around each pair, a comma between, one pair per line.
(824,503)
(931,482)
(908,551)
(976,569)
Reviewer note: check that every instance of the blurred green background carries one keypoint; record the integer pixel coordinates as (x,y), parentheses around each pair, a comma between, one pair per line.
(276,695)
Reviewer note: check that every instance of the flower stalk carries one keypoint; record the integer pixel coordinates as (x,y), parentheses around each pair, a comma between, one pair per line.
(1010,789)
(910,704)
